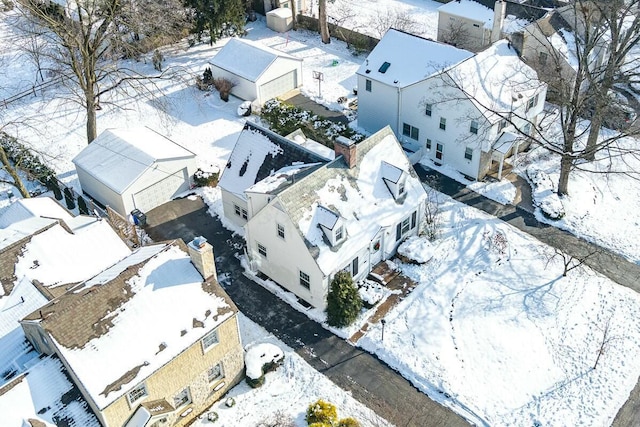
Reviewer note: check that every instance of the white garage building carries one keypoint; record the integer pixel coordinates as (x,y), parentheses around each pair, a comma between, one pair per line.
(134,168)
(259,72)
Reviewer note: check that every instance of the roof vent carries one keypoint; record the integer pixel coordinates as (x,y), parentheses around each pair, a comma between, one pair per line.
(367,71)
(384,67)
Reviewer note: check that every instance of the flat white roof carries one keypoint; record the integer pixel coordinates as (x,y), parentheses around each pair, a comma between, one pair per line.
(469,9)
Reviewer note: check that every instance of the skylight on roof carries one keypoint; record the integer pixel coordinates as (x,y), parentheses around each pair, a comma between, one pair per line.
(384,67)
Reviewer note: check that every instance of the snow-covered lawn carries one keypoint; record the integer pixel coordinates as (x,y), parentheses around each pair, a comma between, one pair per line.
(499,334)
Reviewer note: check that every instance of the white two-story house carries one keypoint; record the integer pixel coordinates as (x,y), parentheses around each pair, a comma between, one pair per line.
(455,107)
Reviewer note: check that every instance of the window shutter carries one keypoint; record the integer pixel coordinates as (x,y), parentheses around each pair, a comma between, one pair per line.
(413,219)
(398,231)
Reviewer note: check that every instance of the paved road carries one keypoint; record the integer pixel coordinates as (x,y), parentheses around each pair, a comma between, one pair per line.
(370,380)
(603,261)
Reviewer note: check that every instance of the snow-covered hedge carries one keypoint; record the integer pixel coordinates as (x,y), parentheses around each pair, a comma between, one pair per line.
(417,249)
(544,195)
(259,360)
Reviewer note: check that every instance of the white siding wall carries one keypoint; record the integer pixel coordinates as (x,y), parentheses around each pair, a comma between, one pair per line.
(378,108)
(458,114)
(285,258)
(229,202)
(476,37)
(153,175)
(100,192)
(243,89)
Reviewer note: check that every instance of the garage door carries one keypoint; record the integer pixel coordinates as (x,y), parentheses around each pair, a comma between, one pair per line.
(162,191)
(279,86)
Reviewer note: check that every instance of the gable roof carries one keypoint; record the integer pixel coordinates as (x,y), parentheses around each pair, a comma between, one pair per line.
(496,79)
(117,157)
(21,209)
(114,330)
(358,195)
(427,58)
(247,59)
(258,154)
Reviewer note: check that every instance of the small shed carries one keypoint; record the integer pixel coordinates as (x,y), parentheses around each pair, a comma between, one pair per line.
(258,71)
(280,19)
(134,168)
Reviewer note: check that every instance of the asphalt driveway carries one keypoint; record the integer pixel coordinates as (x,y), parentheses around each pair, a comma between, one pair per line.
(369,380)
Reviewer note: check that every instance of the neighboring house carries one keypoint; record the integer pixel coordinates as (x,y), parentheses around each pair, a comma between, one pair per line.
(134,168)
(347,214)
(151,340)
(302,6)
(476,24)
(447,103)
(258,154)
(43,252)
(258,72)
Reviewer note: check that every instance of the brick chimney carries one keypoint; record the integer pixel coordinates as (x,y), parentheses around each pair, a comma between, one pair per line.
(201,253)
(346,148)
(499,10)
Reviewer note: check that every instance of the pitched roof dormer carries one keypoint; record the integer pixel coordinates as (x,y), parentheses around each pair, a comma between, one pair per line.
(394,178)
(331,224)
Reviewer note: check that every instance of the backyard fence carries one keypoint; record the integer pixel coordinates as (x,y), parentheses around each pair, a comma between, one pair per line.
(33,91)
(354,40)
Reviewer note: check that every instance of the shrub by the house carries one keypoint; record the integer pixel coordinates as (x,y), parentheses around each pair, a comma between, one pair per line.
(260,360)
(348,422)
(224,87)
(205,179)
(284,119)
(68,198)
(82,206)
(343,301)
(322,413)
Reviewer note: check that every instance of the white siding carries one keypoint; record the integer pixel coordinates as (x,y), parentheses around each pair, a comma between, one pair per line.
(377,108)
(477,36)
(285,257)
(243,89)
(100,192)
(229,203)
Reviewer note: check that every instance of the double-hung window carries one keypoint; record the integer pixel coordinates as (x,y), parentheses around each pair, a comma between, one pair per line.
(443,123)
(305,280)
(468,153)
(210,340)
(182,398)
(262,250)
(137,393)
(427,109)
(410,131)
(474,127)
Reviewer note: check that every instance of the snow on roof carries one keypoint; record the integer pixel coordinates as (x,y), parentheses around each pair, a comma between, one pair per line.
(279,178)
(469,9)
(358,195)
(141,319)
(505,141)
(247,59)
(300,138)
(16,353)
(259,153)
(44,207)
(513,24)
(426,59)
(57,257)
(496,79)
(38,395)
(281,12)
(22,229)
(390,172)
(326,217)
(564,43)
(117,157)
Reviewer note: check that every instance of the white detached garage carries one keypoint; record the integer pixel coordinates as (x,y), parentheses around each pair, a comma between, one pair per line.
(259,72)
(134,168)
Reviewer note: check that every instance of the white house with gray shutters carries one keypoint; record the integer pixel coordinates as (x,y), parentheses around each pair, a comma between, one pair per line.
(134,168)
(449,105)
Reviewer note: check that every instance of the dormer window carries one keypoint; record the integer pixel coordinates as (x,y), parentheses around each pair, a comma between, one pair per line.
(394,178)
(331,224)
(339,233)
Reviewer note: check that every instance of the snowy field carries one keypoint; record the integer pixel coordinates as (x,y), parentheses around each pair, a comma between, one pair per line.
(502,338)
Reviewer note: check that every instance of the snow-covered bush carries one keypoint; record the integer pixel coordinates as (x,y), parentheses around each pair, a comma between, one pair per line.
(417,249)
(261,359)
(205,179)
(322,412)
(371,292)
(544,195)
(244,109)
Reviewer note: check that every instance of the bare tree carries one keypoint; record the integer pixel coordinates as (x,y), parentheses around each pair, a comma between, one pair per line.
(456,33)
(432,214)
(605,339)
(391,18)
(322,22)
(569,261)
(87,39)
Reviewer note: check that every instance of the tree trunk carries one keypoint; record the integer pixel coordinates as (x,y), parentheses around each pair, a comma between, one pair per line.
(91,118)
(566,162)
(17,182)
(592,139)
(294,13)
(322,21)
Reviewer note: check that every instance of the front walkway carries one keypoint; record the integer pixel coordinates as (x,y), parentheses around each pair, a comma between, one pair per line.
(400,286)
